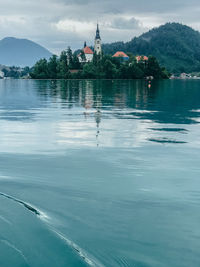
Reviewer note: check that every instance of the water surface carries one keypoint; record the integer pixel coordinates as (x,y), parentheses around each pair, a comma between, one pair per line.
(99,173)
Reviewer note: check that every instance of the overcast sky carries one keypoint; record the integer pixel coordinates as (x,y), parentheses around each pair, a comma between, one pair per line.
(56,24)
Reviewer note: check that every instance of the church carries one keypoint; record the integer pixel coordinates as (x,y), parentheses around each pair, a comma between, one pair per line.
(87,53)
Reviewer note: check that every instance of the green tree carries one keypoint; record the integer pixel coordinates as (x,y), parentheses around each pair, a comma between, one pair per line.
(76,63)
(40,70)
(96,59)
(52,67)
(153,68)
(89,71)
(62,66)
(25,71)
(109,69)
(83,57)
(104,67)
(124,72)
(70,57)
(136,72)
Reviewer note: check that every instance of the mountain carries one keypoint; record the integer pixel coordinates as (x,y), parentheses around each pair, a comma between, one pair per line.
(176,46)
(21,52)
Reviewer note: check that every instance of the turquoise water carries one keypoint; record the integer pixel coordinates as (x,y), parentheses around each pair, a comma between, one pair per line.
(99,173)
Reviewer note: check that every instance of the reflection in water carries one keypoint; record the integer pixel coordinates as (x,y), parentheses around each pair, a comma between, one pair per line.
(114,164)
(163,97)
(98,120)
(160,104)
(128,113)
(165,140)
(181,130)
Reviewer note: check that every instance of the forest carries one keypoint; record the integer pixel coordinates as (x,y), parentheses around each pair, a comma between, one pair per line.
(67,66)
(176,46)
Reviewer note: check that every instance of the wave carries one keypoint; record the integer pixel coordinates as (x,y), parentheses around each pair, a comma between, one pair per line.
(81,253)
(7,243)
(26,205)
(167,141)
(43,216)
(5,220)
(181,130)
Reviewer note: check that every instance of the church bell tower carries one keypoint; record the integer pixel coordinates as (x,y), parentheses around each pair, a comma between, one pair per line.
(97,43)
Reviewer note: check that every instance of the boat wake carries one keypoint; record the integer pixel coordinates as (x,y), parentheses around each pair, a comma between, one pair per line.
(37,212)
(43,216)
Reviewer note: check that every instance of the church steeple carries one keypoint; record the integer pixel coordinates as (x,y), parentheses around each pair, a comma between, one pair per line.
(97,33)
(97,43)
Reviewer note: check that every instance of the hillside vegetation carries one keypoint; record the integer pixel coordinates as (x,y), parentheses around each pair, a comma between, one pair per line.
(176,46)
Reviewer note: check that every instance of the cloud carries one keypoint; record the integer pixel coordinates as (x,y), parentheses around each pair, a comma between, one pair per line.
(126,23)
(58,23)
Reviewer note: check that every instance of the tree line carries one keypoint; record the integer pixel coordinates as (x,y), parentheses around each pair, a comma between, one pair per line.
(67,66)
(176,46)
(15,72)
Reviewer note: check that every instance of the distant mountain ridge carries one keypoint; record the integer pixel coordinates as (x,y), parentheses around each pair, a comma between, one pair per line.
(21,52)
(176,46)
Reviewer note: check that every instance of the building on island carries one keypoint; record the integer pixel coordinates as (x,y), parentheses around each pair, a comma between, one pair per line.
(87,54)
(97,42)
(142,59)
(121,55)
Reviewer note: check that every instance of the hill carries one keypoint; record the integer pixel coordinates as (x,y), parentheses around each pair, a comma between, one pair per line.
(21,52)
(176,46)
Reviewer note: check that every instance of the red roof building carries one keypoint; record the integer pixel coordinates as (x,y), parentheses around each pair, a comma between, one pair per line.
(88,51)
(121,54)
(142,59)
(88,54)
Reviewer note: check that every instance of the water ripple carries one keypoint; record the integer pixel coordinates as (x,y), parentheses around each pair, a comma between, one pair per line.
(44,216)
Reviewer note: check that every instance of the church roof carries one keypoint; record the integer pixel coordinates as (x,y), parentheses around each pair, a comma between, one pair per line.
(87,50)
(120,54)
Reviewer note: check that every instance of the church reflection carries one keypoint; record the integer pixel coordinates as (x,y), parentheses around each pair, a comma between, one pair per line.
(98,121)
(98,95)
(93,101)
(128,100)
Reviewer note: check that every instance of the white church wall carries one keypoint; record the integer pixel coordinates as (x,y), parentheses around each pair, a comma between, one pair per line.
(89,57)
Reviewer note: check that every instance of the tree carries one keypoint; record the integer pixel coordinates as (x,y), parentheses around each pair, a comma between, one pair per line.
(103,67)
(83,57)
(62,66)
(40,70)
(96,59)
(76,64)
(89,71)
(5,71)
(109,69)
(52,67)
(136,72)
(70,57)
(124,72)
(25,71)
(153,68)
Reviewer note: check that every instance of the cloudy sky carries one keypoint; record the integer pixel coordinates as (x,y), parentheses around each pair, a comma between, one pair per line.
(57,24)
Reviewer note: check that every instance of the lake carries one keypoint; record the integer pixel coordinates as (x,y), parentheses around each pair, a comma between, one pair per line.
(99,173)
